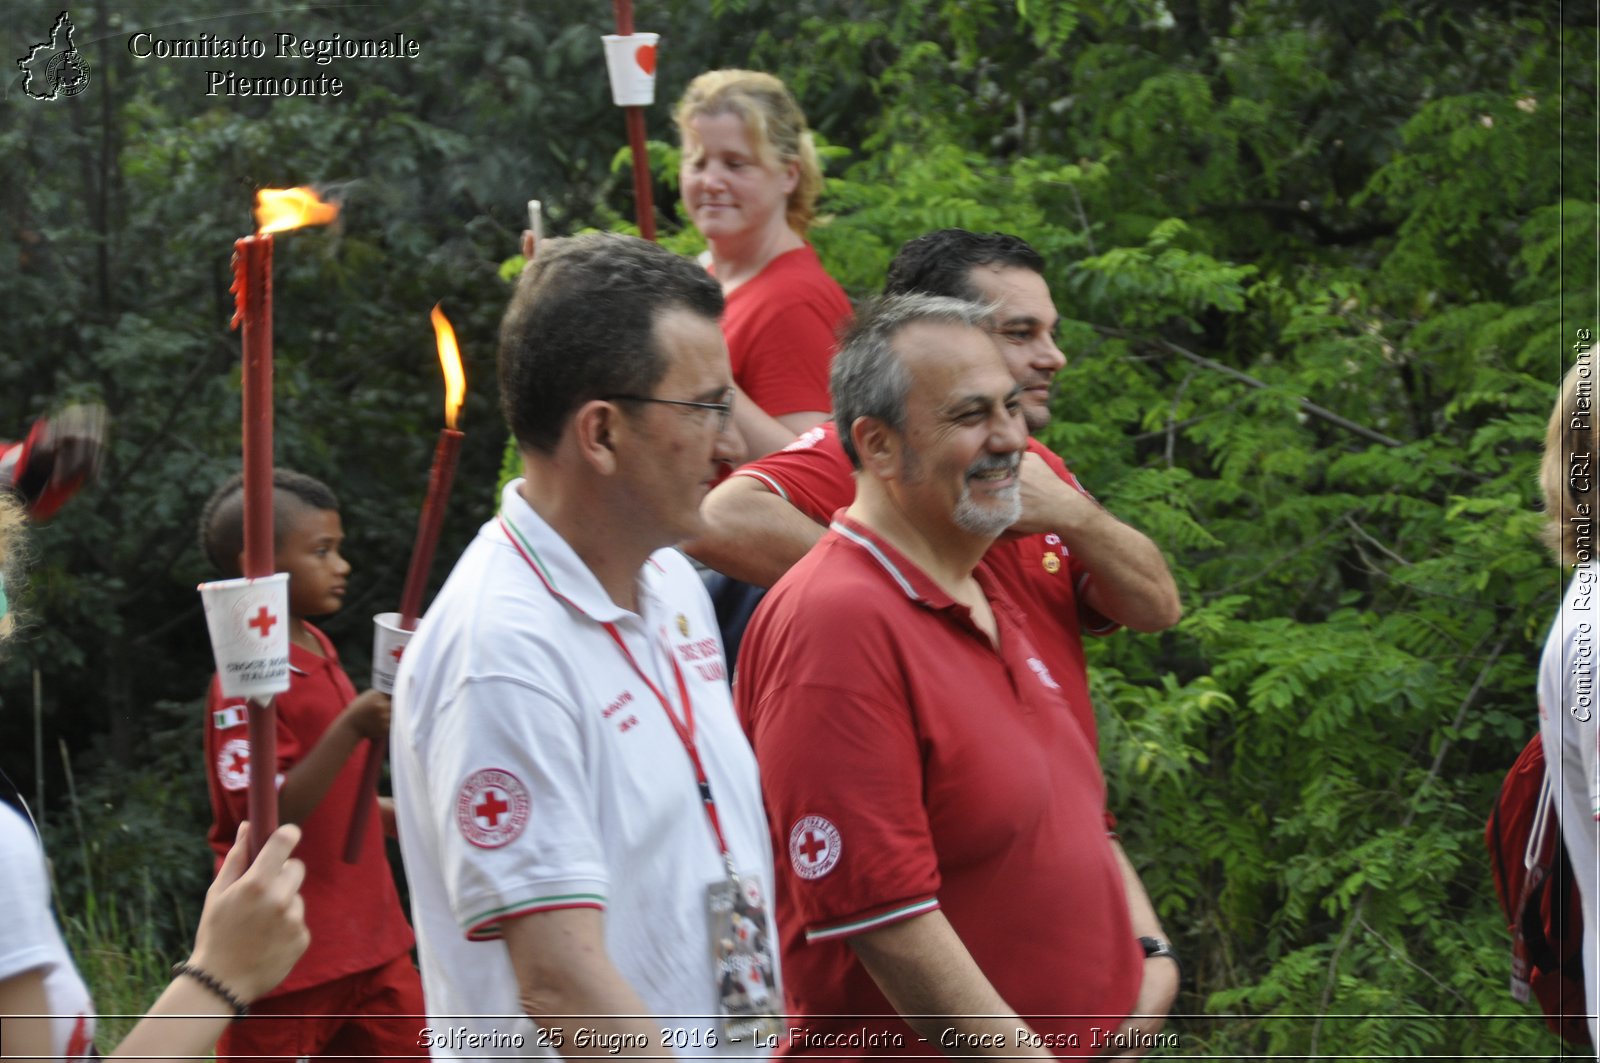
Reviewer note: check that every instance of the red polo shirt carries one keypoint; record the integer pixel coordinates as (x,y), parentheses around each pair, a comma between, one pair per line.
(1038,572)
(780,329)
(352,910)
(910,765)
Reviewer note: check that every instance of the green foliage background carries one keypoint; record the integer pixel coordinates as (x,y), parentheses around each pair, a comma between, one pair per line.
(1322,265)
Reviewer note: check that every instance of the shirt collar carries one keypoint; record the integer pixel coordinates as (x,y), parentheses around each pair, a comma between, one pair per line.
(911,580)
(303,662)
(558,565)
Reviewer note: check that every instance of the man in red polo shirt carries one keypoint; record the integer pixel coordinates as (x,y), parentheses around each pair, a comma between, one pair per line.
(935,807)
(1067,563)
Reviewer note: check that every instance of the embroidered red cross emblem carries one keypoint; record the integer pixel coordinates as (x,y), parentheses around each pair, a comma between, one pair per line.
(812,846)
(491,808)
(263,621)
(240,762)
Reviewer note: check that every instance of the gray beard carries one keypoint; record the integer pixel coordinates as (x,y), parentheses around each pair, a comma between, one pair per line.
(989,521)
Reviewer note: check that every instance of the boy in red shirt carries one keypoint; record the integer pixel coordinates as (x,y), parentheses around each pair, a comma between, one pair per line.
(355,992)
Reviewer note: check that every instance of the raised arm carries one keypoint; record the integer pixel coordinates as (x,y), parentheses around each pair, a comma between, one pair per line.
(1130,582)
(252,930)
(752,534)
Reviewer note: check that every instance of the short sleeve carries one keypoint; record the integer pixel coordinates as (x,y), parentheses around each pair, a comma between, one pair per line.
(25,922)
(812,474)
(513,806)
(843,782)
(229,761)
(1089,619)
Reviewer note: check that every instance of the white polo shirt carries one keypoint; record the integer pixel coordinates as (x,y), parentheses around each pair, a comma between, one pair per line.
(534,769)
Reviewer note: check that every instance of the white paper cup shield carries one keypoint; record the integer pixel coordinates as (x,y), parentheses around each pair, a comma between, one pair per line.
(631,66)
(388,643)
(249,624)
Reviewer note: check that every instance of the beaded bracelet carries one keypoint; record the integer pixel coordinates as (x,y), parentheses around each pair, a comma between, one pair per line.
(240,1008)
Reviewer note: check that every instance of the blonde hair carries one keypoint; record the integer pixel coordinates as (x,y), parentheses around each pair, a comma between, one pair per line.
(1568,475)
(13,542)
(775,123)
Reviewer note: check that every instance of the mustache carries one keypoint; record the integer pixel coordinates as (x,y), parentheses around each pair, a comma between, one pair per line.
(1010,463)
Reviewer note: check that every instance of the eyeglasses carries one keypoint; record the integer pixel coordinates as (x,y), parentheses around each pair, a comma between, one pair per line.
(724,408)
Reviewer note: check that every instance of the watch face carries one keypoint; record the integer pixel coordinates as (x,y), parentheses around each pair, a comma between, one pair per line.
(1157,947)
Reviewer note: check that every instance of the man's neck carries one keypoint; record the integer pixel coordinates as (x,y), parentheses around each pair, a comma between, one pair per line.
(947,558)
(598,539)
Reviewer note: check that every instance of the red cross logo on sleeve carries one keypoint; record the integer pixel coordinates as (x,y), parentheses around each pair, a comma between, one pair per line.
(263,621)
(491,808)
(814,845)
(233,764)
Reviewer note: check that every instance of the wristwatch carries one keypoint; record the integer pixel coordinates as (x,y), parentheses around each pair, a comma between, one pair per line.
(1154,947)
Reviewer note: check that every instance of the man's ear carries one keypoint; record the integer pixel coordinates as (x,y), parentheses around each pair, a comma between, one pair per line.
(878,446)
(594,429)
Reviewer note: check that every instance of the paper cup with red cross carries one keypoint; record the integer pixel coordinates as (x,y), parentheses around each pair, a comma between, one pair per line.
(249,624)
(631,65)
(388,644)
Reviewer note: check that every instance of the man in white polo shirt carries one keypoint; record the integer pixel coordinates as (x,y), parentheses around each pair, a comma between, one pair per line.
(579,811)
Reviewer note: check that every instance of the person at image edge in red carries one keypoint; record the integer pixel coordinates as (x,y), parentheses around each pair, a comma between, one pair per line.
(355,992)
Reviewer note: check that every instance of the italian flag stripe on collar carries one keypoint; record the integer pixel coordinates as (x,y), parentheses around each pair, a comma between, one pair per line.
(533,555)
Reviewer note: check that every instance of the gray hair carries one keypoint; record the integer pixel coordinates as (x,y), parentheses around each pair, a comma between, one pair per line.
(869,377)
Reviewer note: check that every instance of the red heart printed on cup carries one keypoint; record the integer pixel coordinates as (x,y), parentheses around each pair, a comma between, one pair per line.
(645,56)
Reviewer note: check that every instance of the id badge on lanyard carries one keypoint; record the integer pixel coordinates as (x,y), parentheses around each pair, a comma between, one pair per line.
(744,977)
(741,953)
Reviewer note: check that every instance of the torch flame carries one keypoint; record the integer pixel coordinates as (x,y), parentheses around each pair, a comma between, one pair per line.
(278,209)
(455,381)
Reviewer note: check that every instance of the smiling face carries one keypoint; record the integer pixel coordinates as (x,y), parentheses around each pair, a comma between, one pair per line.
(675,453)
(964,433)
(309,552)
(1025,327)
(731,186)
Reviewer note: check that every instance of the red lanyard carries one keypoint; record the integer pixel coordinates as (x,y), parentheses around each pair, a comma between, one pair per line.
(684,728)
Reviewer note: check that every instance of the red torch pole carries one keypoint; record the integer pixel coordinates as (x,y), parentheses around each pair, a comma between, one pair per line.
(429,523)
(644,204)
(253,284)
(440,479)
